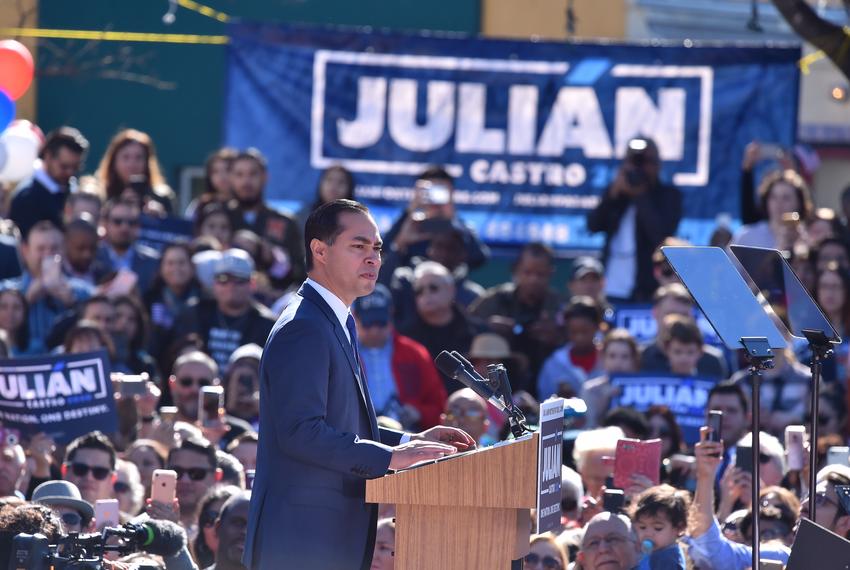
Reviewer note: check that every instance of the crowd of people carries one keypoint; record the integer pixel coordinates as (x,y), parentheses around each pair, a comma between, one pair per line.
(196,313)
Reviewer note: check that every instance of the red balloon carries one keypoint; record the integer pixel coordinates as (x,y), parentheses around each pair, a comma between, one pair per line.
(16,68)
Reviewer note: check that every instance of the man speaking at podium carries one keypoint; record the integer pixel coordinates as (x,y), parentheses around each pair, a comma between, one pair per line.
(319,438)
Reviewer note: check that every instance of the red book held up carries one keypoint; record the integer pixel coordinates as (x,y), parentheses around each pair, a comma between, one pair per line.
(636,456)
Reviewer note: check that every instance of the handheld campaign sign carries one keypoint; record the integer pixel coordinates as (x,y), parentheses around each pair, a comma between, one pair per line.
(549,461)
(64,396)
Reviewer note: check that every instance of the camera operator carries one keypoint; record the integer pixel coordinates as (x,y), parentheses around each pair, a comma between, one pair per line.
(29,518)
(636,213)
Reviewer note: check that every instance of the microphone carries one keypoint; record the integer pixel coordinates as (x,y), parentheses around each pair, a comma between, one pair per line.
(160,537)
(451,366)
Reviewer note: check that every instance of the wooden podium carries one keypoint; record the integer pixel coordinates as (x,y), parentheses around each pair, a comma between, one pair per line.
(468,512)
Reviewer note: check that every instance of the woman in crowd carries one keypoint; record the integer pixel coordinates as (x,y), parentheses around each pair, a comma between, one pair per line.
(128,488)
(832,292)
(619,355)
(148,455)
(86,336)
(217,187)
(129,168)
(14,319)
(545,554)
(335,182)
(382,559)
(212,220)
(130,337)
(206,542)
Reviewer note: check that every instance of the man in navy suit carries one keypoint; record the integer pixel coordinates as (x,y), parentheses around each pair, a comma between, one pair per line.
(319,439)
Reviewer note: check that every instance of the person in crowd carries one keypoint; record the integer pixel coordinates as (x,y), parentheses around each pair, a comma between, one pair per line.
(213,220)
(781,194)
(90,465)
(823,224)
(572,493)
(205,544)
(490,348)
(636,213)
(128,488)
(784,391)
(446,248)
(403,382)
(172,290)
(65,501)
(633,423)
(664,426)
(675,299)
(30,518)
(194,460)
(608,543)
(129,336)
(829,513)
(85,202)
(244,448)
(662,271)
(619,354)
(524,310)
(14,320)
(81,243)
(231,318)
(384,556)
(120,250)
(832,411)
(659,518)
(232,472)
(832,292)
(566,370)
(217,181)
(432,208)
(47,292)
(682,343)
(545,553)
(468,411)
(591,452)
(242,384)
(130,168)
(587,278)
(43,197)
(147,455)
(440,324)
(13,467)
(230,529)
(249,211)
(775,524)
(86,336)
(335,182)
(831,251)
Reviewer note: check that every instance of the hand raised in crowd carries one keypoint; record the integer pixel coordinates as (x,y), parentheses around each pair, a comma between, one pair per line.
(41,449)
(409,234)
(146,403)
(163,511)
(637,484)
(215,430)
(708,454)
(735,487)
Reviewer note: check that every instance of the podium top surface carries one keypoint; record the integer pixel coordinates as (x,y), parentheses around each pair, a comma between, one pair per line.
(723,295)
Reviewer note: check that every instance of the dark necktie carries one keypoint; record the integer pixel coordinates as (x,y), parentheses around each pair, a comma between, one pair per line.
(352,331)
(361,377)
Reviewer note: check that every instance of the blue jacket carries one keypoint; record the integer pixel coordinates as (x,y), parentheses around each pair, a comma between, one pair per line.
(319,442)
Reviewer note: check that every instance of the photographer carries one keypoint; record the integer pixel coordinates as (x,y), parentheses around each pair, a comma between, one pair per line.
(636,213)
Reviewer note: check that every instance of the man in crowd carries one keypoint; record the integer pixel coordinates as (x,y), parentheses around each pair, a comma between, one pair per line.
(524,310)
(90,465)
(636,213)
(81,245)
(194,460)
(120,250)
(43,197)
(242,384)
(468,411)
(12,467)
(230,528)
(65,500)
(729,398)
(249,211)
(608,543)
(403,381)
(231,318)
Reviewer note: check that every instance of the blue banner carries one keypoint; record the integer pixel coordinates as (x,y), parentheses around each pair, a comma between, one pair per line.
(686,397)
(157,232)
(64,396)
(637,318)
(533,132)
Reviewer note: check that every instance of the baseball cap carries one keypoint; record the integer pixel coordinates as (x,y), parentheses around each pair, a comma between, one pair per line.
(375,308)
(234,262)
(586,265)
(251,350)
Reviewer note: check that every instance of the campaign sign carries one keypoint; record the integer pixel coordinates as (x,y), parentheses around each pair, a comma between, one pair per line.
(532,131)
(65,396)
(157,232)
(687,397)
(549,461)
(638,320)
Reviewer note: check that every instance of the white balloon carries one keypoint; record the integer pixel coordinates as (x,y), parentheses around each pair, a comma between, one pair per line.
(21,148)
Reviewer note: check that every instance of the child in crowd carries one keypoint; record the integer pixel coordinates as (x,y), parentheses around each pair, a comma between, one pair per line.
(660,518)
(682,343)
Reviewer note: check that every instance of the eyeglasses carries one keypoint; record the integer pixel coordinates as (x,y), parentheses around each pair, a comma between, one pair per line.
(548,562)
(430,288)
(72,519)
(188,381)
(471,413)
(613,540)
(208,518)
(194,473)
(225,279)
(81,470)
(132,222)
(121,487)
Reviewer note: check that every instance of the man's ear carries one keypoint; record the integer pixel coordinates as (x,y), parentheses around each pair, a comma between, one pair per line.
(318,248)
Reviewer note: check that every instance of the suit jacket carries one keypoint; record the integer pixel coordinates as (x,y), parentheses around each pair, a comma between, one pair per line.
(319,442)
(33,202)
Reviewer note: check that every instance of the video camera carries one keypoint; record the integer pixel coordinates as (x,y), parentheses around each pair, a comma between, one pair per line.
(77,551)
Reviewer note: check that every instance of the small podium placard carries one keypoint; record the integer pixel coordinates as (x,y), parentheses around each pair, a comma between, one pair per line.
(549,465)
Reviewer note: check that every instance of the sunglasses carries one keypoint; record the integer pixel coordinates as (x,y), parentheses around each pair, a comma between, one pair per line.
(548,562)
(121,487)
(132,222)
(194,473)
(471,413)
(430,288)
(81,470)
(225,279)
(188,381)
(208,518)
(72,519)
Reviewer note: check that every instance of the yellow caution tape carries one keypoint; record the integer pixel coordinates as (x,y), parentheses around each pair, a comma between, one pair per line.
(205,10)
(115,36)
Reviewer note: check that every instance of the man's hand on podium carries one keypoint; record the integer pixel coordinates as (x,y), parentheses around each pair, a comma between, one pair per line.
(455,437)
(417,450)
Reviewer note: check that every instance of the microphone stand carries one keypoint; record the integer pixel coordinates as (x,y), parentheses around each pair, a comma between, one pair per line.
(821,349)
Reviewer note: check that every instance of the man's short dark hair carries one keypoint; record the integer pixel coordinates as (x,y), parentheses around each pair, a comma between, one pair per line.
(197,445)
(731,388)
(582,307)
(663,500)
(232,471)
(323,224)
(41,226)
(436,173)
(81,225)
(92,440)
(64,137)
(628,418)
(114,203)
(535,249)
(247,437)
(253,154)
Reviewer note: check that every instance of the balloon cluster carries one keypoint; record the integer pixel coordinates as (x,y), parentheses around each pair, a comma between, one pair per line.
(19,140)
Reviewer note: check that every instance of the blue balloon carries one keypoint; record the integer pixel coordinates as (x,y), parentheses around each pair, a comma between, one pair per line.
(7,110)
